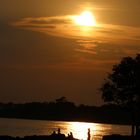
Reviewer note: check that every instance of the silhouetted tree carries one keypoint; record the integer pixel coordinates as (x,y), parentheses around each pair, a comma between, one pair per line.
(122,87)
(61,99)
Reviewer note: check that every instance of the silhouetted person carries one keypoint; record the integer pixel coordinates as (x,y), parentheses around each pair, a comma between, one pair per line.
(70,136)
(88,138)
(58,131)
(54,133)
(59,135)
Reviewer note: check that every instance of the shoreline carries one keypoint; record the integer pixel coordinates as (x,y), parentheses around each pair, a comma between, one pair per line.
(66,120)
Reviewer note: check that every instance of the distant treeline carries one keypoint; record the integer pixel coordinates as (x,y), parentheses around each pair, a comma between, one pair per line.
(64,110)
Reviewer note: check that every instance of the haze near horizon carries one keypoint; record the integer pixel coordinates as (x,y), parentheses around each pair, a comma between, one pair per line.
(50,49)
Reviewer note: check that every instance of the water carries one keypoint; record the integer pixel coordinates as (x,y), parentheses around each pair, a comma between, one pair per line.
(21,127)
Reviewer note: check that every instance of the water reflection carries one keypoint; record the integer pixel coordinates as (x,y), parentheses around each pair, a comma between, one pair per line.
(81,129)
(20,127)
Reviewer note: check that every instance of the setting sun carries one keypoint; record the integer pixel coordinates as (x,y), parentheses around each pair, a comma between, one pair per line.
(86,18)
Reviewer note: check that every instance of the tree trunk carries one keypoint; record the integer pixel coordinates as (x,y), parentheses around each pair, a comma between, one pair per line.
(133,130)
(133,122)
(137,130)
(138,117)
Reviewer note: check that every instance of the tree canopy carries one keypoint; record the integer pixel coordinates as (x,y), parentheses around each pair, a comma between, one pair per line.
(122,86)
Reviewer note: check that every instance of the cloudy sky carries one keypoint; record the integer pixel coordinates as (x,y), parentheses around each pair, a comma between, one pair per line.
(45,54)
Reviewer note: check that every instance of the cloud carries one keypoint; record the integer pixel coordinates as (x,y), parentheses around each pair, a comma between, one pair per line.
(43,21)
(104,40)
(64,26)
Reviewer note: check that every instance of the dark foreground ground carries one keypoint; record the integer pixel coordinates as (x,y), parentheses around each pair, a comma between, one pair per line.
(63,137)
(119,137)
(51,137)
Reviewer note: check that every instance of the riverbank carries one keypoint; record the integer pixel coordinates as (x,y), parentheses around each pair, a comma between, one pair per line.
(66,111)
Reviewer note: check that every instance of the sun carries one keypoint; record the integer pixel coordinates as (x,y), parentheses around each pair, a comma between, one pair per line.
(86,18)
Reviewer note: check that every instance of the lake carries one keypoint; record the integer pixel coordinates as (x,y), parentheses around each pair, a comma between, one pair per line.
(22,127)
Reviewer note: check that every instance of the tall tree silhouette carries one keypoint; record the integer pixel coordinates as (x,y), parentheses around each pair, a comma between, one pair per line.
(122,87)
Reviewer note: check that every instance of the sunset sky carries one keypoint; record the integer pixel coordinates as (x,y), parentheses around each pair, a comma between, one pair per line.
(49,49)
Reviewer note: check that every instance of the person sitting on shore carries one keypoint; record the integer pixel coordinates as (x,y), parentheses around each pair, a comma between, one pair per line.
(54,133)
(70,136)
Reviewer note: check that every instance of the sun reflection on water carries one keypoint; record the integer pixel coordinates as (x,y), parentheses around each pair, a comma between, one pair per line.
(80,130)
(97,130)
(23,128)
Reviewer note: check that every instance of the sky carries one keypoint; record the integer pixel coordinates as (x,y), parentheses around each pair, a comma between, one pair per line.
(44,54)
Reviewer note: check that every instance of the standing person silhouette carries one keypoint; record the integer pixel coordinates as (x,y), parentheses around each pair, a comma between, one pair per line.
(88,138)
(59,131)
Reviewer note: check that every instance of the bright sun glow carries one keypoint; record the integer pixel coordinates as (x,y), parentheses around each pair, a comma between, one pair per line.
(86,18)
(81,129)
